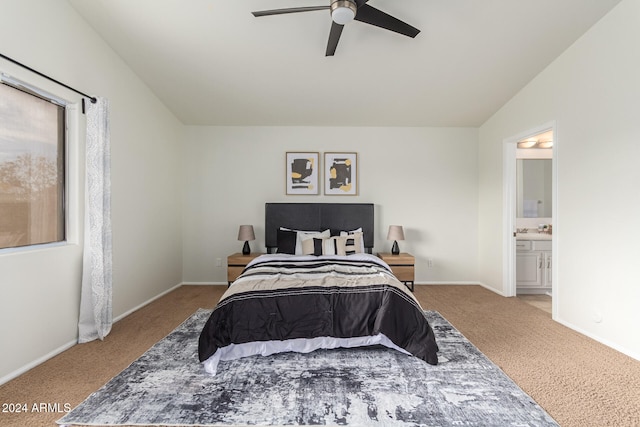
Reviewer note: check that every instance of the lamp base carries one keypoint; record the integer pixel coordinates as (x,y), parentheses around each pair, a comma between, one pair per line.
(246,250)
(395,250)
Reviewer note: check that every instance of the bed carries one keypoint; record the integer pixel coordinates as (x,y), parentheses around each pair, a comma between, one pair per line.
(318,286)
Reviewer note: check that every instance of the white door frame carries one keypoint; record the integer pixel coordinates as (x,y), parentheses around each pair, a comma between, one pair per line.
(509,209)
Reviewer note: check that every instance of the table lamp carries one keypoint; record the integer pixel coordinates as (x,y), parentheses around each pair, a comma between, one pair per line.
(395,233)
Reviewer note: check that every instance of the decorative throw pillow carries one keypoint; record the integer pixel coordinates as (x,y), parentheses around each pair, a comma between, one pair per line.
(324,246)
(358,241)
(354,244)
(333,245)
(312,246)
(301,235)
(287,242)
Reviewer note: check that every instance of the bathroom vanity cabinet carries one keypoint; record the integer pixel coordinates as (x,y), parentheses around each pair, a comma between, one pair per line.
(533,266)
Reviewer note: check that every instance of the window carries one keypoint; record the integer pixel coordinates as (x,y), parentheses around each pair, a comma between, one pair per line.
(32,168)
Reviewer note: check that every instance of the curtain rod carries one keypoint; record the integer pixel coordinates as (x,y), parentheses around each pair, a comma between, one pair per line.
(92,98)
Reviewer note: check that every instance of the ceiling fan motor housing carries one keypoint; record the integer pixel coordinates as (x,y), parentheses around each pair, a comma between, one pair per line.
(343,11)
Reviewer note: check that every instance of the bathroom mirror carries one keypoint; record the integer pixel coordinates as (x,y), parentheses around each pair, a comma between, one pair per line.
(533,193)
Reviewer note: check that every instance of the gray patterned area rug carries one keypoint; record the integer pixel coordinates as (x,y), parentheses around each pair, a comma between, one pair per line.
(364,387)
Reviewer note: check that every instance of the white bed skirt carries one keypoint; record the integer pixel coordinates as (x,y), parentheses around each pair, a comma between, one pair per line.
(298,345)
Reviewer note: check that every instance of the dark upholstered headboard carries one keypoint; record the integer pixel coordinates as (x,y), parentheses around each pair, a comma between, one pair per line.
(316,217)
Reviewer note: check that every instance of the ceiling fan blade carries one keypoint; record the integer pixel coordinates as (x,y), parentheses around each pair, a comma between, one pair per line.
(371,15)
(289,10)
(334,38)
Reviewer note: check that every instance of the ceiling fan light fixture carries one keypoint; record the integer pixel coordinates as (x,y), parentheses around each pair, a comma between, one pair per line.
(343,11)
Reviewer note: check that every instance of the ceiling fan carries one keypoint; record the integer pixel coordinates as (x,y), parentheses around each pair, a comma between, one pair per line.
(343,12)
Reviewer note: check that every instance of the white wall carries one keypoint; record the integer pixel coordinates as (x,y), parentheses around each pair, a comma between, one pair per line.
(40,289)
(593,92)
(437,182)
(421,178)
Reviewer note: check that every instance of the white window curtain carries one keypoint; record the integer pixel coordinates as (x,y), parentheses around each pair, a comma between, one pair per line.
(95,301)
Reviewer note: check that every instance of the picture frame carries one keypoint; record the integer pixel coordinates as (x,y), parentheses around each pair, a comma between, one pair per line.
(341,174)
(302,173)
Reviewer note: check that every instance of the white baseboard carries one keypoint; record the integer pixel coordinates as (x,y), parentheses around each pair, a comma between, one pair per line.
(138,307)
(448,283)
(463,283)
(494,290)
(205,283)
(599,339)
(70,344)
(37,362)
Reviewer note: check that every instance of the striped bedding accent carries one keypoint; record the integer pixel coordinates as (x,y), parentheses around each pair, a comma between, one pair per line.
(302,303)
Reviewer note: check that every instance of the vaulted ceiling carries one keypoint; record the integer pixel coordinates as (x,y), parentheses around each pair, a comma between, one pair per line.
(213,63)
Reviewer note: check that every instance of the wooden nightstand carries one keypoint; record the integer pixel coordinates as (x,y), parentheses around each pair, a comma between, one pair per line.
(403,267)
(236,264)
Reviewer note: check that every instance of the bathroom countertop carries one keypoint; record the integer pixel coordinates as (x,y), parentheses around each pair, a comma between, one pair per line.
(533,236)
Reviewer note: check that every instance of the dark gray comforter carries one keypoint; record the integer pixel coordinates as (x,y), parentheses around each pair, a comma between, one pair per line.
(286,298)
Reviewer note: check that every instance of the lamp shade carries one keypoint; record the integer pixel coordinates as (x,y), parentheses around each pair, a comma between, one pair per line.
(395,233)
(246,233)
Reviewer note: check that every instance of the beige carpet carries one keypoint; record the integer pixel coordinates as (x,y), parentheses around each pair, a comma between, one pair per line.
(543,302)
(577,380)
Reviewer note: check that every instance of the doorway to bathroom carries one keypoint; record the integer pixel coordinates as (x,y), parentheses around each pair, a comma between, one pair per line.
(530,219)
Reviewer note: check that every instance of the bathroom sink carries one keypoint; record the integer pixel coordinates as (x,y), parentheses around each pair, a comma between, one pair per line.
(533,236)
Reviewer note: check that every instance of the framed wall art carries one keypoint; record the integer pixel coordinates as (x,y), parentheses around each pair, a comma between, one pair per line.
(302,173)
(341,174)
